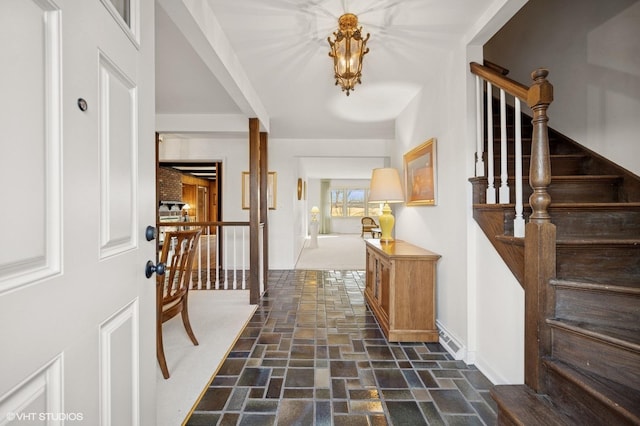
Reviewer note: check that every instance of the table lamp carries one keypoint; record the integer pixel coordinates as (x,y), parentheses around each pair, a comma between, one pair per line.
(314,213)
(385,187)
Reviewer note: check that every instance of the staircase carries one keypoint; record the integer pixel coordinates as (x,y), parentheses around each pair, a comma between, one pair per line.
(590,368)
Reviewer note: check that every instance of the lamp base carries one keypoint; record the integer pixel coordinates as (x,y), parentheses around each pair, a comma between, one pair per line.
(386,224)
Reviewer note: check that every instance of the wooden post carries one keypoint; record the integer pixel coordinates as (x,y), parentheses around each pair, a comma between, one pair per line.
(254,210)
(540,239)
(539,97)
(264,205)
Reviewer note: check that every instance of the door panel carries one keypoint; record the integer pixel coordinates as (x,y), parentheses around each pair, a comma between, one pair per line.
(30,87)
(119,367)
(118,148)
(76,311)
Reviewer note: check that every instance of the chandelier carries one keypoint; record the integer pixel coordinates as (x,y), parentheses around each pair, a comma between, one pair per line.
(347,50)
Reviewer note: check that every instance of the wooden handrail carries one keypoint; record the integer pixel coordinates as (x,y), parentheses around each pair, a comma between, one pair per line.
(496,79)
(499,68)
(203,223)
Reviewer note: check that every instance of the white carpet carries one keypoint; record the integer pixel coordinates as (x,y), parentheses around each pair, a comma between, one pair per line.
(217,318)
(334,252)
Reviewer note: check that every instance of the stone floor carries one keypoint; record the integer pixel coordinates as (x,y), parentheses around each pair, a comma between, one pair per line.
(313,354)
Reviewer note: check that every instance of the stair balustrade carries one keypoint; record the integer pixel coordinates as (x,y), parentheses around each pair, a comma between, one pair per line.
(222,255)
(538,97)
(579,273)
(539,234)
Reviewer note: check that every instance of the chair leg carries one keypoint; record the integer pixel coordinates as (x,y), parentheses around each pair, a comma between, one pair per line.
(185,321)
(160,351)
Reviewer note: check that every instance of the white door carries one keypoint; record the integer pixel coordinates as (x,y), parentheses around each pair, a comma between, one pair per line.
(77,314)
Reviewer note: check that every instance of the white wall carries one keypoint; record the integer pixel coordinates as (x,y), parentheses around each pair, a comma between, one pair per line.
(289,224)
(435,113)
(479,302)
(593,56)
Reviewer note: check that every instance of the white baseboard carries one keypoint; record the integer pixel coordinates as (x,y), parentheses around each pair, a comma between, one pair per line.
(490,373)
(452,344)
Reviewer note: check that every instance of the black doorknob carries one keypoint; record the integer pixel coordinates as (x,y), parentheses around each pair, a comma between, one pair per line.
(150,268)
(150,233)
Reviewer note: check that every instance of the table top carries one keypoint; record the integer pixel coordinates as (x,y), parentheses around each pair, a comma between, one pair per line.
(399,248)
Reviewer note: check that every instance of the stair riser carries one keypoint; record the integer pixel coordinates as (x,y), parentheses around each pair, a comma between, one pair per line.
(616,265)
(579,224)
(587,191)
(586,410)
(623,224)
(610,309)
(560,166)
(556,147)
(616,363)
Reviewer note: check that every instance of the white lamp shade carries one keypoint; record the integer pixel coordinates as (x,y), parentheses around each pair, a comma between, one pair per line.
(385,186)
(315,209)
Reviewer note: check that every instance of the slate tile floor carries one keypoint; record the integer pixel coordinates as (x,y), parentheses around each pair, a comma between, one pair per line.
(313,354)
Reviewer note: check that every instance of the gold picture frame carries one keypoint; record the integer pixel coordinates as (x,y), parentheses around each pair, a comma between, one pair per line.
(272,188)
(420,177)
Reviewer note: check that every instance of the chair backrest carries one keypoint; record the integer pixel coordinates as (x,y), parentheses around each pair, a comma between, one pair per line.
(368,221)
(178,252)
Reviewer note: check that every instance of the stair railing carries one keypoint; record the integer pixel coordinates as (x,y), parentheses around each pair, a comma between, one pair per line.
(222,255)
(488,78)
(539,233)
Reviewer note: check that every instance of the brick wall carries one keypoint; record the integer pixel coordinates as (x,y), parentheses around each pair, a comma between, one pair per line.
(169,184)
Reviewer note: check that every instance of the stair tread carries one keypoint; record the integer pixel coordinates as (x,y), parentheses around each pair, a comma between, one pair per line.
(593,286)
(629,339)
(616,206)
(564,206)
(620,397)
(528,408)
(599,241)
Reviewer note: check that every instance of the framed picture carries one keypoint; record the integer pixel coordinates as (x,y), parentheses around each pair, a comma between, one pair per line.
(271,190)
(420,175)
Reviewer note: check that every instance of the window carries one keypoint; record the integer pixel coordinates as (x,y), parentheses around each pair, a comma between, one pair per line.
(337,202)
(352,202)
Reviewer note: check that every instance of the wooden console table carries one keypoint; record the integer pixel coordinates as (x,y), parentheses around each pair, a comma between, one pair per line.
(400,290)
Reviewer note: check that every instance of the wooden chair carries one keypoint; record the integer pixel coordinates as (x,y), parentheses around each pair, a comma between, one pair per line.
(368,224)
(172,288)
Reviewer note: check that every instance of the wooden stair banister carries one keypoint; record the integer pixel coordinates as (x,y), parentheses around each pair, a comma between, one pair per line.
(578,261)
(499,80)
(540,233)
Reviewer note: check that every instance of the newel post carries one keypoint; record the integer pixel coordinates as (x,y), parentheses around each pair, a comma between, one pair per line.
(540,239)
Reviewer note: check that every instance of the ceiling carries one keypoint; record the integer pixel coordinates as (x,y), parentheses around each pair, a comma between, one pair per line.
(270,58)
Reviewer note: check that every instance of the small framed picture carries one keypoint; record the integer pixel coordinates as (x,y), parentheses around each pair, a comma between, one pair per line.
(271,190)
(420,175)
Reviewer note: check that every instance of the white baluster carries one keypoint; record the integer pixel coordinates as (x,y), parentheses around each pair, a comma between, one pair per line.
(479,133)
(199,242)
(208,258)
(235,263)
(218,257)
(260,261)
(225,275)
(518,222)
(491,191)
(244,261)
(504,174)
